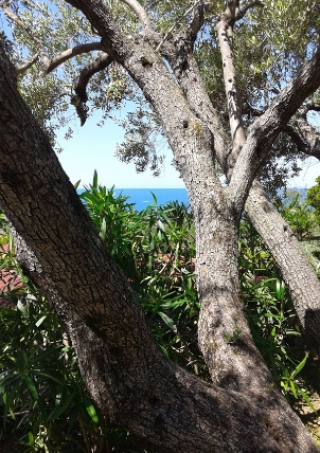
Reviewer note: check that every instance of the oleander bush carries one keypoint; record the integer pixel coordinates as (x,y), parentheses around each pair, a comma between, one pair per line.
(44,403)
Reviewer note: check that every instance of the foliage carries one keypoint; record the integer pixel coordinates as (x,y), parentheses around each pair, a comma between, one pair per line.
(301,214)
(313,198)
(271,31)
(273,322)
(44,400)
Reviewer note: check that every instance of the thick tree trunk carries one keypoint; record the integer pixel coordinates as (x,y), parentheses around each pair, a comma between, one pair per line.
(127,376)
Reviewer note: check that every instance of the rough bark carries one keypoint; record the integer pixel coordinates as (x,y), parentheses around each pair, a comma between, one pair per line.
(302,281)
(127,376)
(283,243)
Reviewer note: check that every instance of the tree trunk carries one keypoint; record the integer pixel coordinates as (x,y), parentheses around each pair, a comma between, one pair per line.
(124,371)
(297,272)
(302,281)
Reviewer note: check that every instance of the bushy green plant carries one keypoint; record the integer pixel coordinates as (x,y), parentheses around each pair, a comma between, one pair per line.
(272,318)
(44,400)
(156,250)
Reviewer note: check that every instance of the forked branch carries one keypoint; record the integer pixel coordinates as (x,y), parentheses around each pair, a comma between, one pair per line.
(264,130)
(48,64)
(22,68)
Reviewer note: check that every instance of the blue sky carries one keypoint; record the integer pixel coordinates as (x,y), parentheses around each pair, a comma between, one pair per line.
(93,147)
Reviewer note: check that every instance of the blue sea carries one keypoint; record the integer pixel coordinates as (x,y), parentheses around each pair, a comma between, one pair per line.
(143,197)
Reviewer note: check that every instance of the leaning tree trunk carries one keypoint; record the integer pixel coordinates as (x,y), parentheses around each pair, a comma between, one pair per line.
(125,373)
(297,272)
(302,281)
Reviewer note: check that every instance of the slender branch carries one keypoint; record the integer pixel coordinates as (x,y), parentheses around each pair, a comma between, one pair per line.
(224,30)
(310,238)
(138,9)
(21,69)
(301,145)
(72,52)
(81,97)
(310,136)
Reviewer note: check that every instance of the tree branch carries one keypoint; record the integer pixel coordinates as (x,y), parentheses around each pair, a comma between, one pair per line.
(242,10)
(49,64)
(189,10)
(72,52)
(21,69)
(266,128)
(197,21)
(301,145)
(126,375)
(224,31)
(138,9)
(81,97)
(11,15)
(310,137)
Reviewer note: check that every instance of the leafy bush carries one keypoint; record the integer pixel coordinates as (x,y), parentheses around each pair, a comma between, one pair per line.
(45,403)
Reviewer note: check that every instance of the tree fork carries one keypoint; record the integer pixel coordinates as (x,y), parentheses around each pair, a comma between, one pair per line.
(128,377)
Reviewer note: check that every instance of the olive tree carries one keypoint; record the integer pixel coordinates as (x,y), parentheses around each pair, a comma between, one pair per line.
(230,85)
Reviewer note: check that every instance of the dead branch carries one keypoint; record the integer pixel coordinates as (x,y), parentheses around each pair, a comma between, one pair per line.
(80,98)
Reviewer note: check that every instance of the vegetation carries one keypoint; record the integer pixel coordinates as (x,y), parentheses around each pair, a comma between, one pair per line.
(46,407)
(231,86)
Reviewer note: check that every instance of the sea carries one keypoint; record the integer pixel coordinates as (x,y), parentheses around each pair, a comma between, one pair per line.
(143,197)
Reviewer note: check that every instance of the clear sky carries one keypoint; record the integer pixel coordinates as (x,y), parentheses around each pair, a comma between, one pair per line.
(93,147)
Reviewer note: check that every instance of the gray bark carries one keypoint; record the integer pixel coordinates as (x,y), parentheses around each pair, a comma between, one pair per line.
(126,375)
(302,281)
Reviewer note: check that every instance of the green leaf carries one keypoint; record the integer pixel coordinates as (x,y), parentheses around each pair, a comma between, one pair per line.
(40,321)
(293,389)
(167,320)
(92,413)
(31,387)
(95,180)
(77,184)
(300,366)
(164,350)
(61,408)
